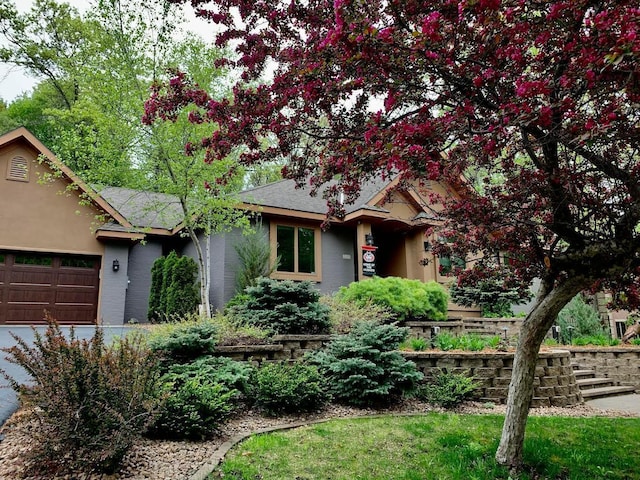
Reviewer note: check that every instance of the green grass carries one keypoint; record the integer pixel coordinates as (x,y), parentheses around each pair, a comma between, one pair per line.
(439,447)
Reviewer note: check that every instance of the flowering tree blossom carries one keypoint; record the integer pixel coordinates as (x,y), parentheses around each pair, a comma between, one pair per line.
(530,107)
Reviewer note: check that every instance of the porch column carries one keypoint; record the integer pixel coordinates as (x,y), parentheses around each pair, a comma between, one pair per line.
(362,230)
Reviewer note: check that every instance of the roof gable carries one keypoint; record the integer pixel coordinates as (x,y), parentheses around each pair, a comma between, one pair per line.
(379,198)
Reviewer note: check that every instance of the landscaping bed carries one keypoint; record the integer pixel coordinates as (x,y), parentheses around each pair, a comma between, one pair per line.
(180,460)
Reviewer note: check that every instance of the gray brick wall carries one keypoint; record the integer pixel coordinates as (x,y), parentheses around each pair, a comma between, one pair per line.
(141,258)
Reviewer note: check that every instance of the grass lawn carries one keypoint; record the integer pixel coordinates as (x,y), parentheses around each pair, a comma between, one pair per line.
(438,446)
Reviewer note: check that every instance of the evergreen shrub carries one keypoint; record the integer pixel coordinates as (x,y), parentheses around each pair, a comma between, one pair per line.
(447,389)
(406,299)
(364,367)
(282,307)
(174,288)
(183,341)
(582,318)
(90,400)
(281,388)
(254,253)
(492,295)
(201,395)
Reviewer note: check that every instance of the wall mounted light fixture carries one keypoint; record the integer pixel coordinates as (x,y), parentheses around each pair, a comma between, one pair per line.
(115,265)
(368,238)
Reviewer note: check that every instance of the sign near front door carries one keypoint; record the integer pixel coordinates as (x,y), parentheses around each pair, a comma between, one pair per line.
(369,260)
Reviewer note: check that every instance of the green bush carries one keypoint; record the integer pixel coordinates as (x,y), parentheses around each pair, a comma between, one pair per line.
(282,307)
(155,295)
(174,289)
(200,397)
(475,343)
(601,340)
(194,408)
(91,401)
(185,340)
(635,341)
(254,253)
(364,367)
(229,373)
(405,298)
(230,333)
(182,293)
(581,317)
(280,388)
(494,298)
(344,314)
(447,389)
(415,344)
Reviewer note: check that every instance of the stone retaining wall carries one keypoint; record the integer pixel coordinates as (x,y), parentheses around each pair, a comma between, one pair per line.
(283,348)
(509,327)
(554,382)
(621,364)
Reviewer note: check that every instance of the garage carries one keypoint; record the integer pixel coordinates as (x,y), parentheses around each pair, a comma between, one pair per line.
(64,285)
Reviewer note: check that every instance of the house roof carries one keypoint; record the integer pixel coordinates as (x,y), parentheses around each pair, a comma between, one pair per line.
(284,195)
(134,213)
(131,213)
(146,210)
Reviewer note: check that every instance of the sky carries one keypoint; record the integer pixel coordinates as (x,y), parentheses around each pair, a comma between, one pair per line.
(15,81)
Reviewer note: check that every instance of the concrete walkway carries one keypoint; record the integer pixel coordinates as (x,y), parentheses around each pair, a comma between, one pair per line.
(627,403)
(8,400)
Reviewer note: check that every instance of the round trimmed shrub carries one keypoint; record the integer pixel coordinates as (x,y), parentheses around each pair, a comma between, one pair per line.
(405,298)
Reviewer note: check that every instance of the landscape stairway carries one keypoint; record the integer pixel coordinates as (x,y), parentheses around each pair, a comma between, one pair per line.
(597,387)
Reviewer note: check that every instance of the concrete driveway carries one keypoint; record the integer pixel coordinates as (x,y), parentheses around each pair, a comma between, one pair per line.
(8,400)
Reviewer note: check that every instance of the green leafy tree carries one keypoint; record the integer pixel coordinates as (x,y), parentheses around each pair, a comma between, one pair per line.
(254,253)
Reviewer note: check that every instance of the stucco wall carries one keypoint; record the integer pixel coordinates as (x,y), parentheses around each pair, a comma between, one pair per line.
(42,217)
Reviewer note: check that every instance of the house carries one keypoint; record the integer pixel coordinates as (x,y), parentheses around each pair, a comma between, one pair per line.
(85,254)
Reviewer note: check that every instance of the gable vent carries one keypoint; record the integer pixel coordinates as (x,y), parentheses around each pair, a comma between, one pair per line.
(18,169)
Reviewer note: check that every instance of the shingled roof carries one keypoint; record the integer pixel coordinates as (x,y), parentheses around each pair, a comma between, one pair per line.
(143,209)
(284,194)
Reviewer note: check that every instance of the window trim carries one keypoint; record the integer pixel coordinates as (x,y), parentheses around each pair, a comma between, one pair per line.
(273,240)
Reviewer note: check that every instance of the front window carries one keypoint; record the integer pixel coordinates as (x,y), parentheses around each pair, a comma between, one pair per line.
(298,250)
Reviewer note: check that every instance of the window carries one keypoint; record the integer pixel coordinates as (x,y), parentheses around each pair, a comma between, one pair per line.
(39,260)
(448,264)
(299,250)
(77,262)
(18,169)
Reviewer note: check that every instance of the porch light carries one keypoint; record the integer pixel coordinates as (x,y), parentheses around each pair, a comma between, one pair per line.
(368,238)
(435,331)
(427,247)
(115,265)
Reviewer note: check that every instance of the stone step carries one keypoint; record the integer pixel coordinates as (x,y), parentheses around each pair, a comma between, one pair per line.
(607,391)
(584,374)
(588,383)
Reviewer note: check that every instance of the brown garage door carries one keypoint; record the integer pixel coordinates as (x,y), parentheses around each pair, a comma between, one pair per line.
(64,285)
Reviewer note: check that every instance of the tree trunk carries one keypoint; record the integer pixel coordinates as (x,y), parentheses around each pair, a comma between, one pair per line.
(203,272)
(548,304)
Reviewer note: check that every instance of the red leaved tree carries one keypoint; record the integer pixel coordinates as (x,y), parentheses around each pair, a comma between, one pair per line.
(533,105)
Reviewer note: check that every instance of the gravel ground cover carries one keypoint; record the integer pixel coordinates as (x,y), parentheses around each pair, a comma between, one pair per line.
(166,460)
